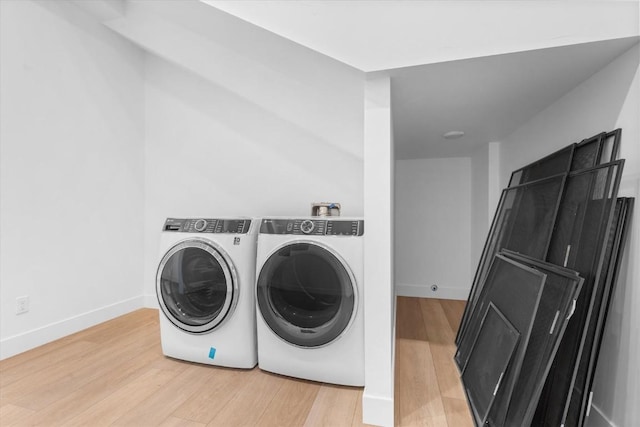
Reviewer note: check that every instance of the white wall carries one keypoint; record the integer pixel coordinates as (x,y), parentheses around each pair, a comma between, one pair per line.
(485,195)
(594,106)
(71,173)
(211,152)
(240,121)
(480,216)
(433,227)
(379,295)
(609,99)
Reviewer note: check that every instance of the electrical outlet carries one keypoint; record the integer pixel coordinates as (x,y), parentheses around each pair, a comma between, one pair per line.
(22,304)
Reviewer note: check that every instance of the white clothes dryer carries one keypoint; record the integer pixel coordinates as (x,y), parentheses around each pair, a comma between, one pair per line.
(309,299)
(205,289)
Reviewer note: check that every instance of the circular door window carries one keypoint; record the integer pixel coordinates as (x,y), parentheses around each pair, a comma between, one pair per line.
(306,294)
(196,288)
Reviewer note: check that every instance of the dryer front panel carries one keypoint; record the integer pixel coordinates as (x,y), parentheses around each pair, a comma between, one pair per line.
(306,294)
(196,286)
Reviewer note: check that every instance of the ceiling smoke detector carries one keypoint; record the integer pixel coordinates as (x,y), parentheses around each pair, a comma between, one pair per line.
(453,134)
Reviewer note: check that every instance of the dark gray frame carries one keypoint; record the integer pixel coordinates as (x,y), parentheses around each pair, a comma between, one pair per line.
(511,335)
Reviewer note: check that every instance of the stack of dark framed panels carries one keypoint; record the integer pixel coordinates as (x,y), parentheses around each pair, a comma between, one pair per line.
(623,223)
(597,150)
(514,291)
(523,223)
(579,240)
(538,298)
(566,395)
(496,342)
(593,151)
(555,310)
(561,218)
(578,406)
(553,164)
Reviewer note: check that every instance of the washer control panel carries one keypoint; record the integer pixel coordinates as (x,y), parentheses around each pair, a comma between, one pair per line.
(207,225)
(313,227)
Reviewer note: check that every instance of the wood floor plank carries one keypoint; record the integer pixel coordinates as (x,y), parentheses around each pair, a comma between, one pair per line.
(179,422)
(123,400)
(419,396)
(249,403)
(35,353)
(457,412)
(454,309)
(14,415)
(31,381)
(291,404)
(211,397)
(437,327)
(409,323)
(115,374)
(160,406)
(447,372)
(57,383)
(333,406)
(108,379)
(12,372)
(441,341)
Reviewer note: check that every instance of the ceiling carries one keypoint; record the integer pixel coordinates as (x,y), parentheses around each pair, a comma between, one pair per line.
(488,98)
(447,75)
(519,57)
(374,35)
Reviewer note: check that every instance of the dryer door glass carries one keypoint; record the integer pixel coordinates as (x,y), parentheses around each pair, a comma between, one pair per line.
(306,295)
(195,286)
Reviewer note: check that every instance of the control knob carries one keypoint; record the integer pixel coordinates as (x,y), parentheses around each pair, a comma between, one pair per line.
(307,226)
(200,225)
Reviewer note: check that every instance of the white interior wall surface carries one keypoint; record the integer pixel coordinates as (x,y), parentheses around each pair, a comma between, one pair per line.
(212,152)
(480,209)
(71,141)
(433,227)
(379,256)
(608,100)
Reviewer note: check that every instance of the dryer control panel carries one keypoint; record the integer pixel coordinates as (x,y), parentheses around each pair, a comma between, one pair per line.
(207,225)
(313,227)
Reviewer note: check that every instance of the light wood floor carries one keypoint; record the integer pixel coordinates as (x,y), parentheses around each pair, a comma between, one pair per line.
(115,374)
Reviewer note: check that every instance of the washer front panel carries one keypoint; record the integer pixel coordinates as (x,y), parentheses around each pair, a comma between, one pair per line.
(196,286)
(306,294)
(207,225)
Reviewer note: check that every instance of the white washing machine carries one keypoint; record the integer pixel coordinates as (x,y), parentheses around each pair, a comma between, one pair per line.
(309,298)
(205,288)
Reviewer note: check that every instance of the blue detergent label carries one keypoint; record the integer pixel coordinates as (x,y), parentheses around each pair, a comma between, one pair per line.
(212,353)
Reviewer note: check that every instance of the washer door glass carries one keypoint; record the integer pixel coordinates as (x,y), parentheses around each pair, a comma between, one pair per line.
(195,286)
(306,294)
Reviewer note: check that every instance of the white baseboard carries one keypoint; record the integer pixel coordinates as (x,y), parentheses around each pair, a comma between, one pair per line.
(424,291)
(377,410)
(19,343)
